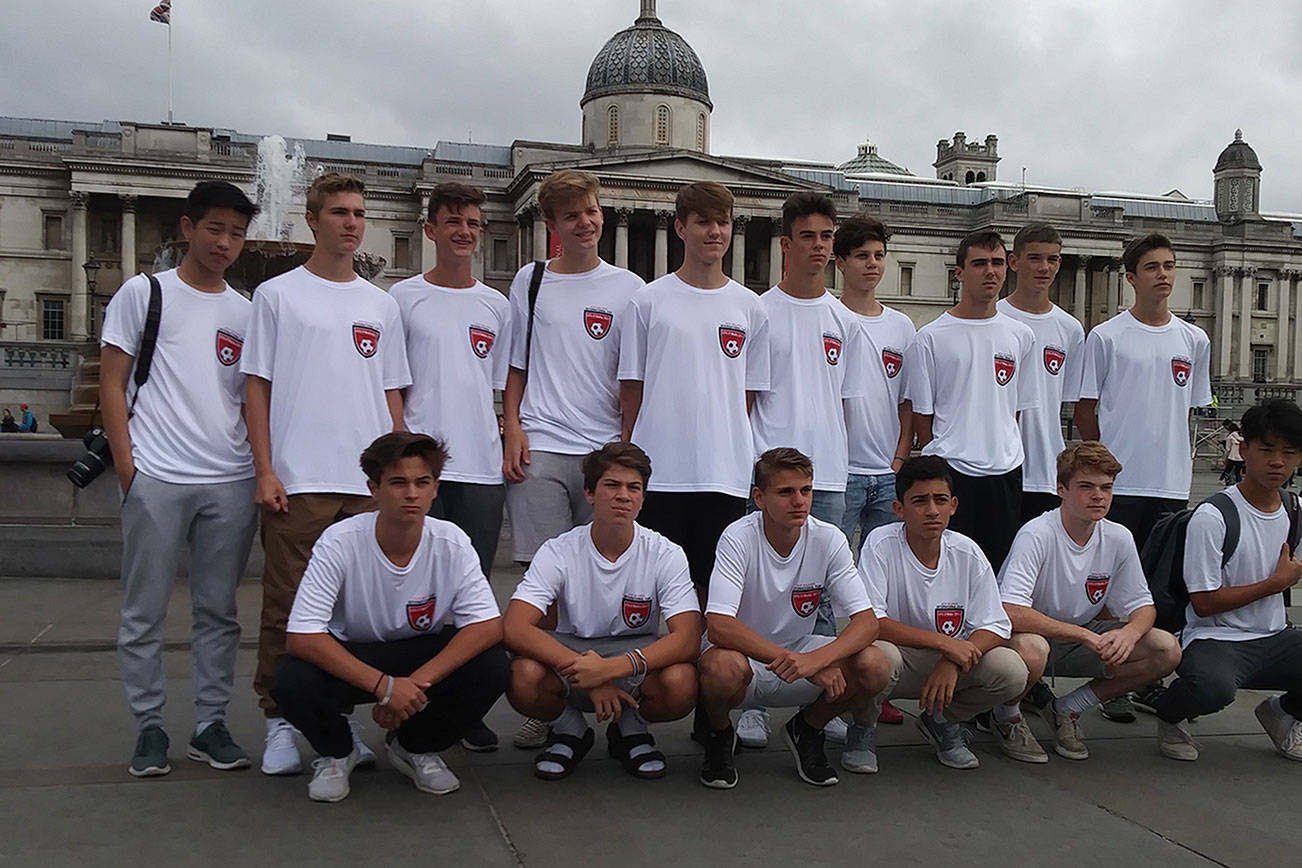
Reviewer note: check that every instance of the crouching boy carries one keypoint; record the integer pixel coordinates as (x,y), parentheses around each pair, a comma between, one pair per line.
(367,627)
(611,580)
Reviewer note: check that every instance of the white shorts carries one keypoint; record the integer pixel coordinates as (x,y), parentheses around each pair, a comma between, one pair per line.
(768,690)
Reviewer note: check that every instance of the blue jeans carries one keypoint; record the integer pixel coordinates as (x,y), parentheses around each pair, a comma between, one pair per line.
(828,506)
(868,502)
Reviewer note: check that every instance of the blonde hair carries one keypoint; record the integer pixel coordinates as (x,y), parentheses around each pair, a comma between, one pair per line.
(330,183)
(565,186)
(1089,455)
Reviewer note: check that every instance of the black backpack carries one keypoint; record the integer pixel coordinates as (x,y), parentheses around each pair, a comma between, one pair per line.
(1163,556)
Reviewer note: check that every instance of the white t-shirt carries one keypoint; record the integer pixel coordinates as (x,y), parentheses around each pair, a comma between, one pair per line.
(873,421)
(1261,536)
(697,353)
(330,350)
(355,593)
(956,599)
(596,598)
(186,426)
(817,355)
(1047,571)
(778,597)
(1155,374)
(1054,376)
(571,397)
(457,342)
(970,375)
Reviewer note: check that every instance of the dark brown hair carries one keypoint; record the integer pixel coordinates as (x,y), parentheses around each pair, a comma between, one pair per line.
(984,239)
(1136,249)
(330,183)
(804,204)
(710,199)
(1035,233)
(856,232)
(617,454)
(455,196)
(388,449)
(774,461)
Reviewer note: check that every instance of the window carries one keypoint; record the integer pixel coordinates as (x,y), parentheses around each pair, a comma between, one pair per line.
(501,255)
(612,125)
(52,319)
(906,279)
(700,132)
(1259,359)
(1199,295)
(401,253)
(981,176)
(52,232)
(970,176)
(662,125)
(1263,296)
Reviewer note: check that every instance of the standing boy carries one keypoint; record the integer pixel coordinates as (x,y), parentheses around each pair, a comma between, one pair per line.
(182,457)
(326,362)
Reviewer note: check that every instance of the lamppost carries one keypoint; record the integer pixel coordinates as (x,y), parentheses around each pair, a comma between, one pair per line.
(91,267)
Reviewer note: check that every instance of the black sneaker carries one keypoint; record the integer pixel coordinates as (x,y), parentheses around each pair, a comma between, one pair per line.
(150,756)
(806,745)
(718,771)
(700,727)
(1119,709)
(1039,698)
(982,723)
(1145,699)
(479,738)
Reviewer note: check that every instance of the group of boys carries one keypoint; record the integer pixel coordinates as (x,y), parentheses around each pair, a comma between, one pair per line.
(262,408)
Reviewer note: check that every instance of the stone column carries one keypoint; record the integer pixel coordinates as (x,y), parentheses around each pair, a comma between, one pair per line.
(128,253)
(1297,328)
(79,306)
(775,251)
(1283,289)
(1245,322)
(1114,288)
(662,243)
(539,234)
(1224,320)
(1078,300)
(428,253)
(621,236)
(739,248)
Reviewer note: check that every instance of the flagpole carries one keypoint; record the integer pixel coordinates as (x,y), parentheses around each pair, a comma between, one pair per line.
(169,67)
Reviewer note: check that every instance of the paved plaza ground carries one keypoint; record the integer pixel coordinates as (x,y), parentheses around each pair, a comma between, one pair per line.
(66,799)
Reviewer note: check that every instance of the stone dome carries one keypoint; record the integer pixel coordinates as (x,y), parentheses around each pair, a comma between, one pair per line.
(1238,155)
(647,58)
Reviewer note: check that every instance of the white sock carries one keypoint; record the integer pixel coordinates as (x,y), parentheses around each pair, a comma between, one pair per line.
(570,722)
(632,723)
(201,726)
(1077,702)
(1007,714)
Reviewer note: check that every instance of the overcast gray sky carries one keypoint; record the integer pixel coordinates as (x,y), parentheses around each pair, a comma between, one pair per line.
(1100,94)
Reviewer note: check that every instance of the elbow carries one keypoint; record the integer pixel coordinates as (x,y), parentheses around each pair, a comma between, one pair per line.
(1202,606)
(294,644)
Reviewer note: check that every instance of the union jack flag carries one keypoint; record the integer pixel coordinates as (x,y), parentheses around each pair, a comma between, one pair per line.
(162,13)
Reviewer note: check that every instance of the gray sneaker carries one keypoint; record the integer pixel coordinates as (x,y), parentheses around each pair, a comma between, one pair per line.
(860,753)
(1018,742)
(215,747)
(1067,736)
(150,757)
(1284,730)
(1175,742)
(947,739)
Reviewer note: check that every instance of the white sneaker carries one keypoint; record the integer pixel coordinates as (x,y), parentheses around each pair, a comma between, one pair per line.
(1283,729)
(835,730)
(330,778)
(427,770)
(753,728)
(365,756)
(1175,742)
(531,735)
(280,756)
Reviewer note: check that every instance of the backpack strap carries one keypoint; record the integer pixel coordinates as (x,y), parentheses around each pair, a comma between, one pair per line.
(535,281)
(1230,513)
(148,340)
(1294,509)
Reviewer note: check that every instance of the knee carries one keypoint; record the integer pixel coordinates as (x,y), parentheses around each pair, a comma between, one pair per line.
(1211,692)
(530,682)
(1008,673)
(296,682)
(670,693)
(722,671)
(1163,650)
(872,669)
(1034,651)
(894,660)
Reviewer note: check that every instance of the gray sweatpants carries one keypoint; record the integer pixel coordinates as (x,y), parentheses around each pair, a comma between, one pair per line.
(217,522)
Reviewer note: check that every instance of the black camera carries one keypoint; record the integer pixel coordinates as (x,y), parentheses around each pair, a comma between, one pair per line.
(97,458)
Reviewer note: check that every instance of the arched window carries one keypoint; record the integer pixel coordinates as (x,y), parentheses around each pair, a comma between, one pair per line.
(662,125)
(612,125)
(981,176)
(970,177)
(700,132)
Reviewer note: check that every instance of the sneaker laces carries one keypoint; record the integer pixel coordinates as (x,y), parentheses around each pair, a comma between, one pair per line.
(426,763)
(220,735)
(329,765)
(1293,738)
(757,719)
(281,737)
(532,726)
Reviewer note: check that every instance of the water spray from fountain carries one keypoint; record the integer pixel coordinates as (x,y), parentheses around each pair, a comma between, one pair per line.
(280,175)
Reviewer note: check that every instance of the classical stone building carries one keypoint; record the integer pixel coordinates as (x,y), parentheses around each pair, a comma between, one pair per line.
(110,193)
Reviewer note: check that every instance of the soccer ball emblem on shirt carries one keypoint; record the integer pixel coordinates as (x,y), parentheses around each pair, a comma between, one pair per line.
(596,322)
(228,347)
(1053,359)
(420,615)
(731,340)
(1180,371)
(481,341)
(949,620)
(366,339)
(805,600)
(832,348)
(1096,585)
(893,362)
(636,611)
(1004,368)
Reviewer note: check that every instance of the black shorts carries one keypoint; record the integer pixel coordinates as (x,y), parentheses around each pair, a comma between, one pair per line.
(989,511)
(695,520)
(1037,503)
(1139,514)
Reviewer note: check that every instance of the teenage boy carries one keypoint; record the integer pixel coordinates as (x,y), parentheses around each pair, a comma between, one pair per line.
(562,396)
(367,626)
(692,358)
(968,381)
(1237,633)
(1076,594)
(611,580)
(1145,364)
(773,568)
(942,626)
(1054,375)
(332,344)
(879,425)
(182,457)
